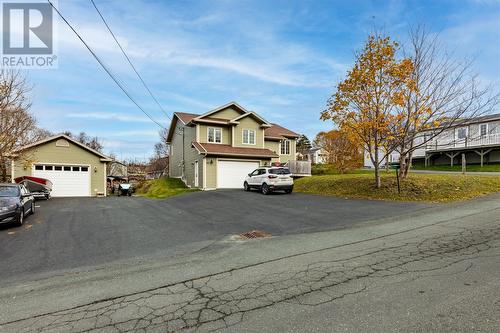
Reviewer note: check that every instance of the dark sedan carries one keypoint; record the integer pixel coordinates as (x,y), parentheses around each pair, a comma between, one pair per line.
(15,203)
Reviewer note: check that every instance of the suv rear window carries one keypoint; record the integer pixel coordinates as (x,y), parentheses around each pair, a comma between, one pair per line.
(279,171)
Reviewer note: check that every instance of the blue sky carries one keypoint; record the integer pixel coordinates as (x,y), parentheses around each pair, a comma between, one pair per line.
(281,59)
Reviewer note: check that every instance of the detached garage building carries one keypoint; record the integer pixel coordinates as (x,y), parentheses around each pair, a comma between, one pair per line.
(74,169)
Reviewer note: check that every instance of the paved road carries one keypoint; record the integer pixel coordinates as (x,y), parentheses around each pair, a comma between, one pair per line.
(77,233)
(436,271)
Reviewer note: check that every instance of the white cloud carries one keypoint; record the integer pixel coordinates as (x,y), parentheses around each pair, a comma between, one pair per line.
(109,116)
(264,57)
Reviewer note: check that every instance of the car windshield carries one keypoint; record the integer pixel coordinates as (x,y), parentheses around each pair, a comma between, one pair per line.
(279,171)
(9,191)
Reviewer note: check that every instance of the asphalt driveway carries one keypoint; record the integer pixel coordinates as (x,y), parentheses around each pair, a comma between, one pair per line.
(74,233)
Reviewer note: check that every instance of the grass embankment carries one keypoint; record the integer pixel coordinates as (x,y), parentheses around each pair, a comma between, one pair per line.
(417,187)
(162,188)
(328,169)
(458,168)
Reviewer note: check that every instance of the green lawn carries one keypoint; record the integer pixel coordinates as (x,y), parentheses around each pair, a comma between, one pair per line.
(470,168)
(417,187)
(162,188)
(328,169)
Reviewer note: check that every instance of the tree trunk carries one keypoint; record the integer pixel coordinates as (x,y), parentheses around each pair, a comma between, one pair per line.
(402,166)
(376,166)
(407,165)
(3,168)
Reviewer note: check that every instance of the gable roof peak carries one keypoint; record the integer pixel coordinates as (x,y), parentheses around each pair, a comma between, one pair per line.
(104,158)
(238,107)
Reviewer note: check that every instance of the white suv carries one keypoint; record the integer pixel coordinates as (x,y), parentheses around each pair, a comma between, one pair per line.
(269,179)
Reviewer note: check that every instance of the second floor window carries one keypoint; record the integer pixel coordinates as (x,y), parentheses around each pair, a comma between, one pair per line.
(461,133)
(483,129)
(285,147)
(248,137)
(214,135)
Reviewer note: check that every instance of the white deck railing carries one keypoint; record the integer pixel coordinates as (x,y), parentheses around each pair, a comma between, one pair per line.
(485,140)
(299,168)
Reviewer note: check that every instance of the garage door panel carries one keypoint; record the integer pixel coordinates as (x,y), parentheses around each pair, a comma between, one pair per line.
(67,183)
(231,174)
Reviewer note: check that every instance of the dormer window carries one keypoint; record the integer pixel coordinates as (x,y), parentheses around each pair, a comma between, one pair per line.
(248,137)
(214,135)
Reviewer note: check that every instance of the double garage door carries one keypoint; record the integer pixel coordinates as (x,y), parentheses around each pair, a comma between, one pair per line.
(67,180)
(231,174)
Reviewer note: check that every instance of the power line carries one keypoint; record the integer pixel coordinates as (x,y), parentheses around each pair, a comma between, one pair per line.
(129,61)
(108,71)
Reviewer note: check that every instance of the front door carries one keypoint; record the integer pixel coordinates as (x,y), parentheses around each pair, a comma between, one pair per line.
(196,177)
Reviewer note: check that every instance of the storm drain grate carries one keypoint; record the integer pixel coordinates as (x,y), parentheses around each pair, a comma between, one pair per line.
(254,234)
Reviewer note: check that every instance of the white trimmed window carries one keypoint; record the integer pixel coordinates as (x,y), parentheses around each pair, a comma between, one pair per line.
(285,147)
(483,128)
(248,137)
(214,135)
(461,133)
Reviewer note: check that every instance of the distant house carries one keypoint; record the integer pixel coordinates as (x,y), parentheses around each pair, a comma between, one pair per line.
(117,173)
(157,168)
(117,169)
(318,155)
(136,171)
(477,139)
(219,148)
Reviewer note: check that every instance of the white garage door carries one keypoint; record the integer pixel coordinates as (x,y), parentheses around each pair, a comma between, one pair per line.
(67,181)
(231,174)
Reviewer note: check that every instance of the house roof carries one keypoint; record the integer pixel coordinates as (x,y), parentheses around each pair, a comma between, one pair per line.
(278,132)
(186,117)
(264,122)
(485,118)
(234,105)
(103,157)
(228,150)
(273,131)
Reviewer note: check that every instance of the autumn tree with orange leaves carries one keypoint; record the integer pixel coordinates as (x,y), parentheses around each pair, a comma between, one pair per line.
(365,104)
(342,150)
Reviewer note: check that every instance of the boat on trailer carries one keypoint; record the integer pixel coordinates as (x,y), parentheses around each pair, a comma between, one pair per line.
(39,187)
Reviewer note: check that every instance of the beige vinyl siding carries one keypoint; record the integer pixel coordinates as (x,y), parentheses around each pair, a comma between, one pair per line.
(211,172)
(72,154)
(251,124)
(226,133)
(274,146)
(291,156)
(228,113)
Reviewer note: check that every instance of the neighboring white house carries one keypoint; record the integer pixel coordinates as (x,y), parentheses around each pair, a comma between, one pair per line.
(319,156)
(477,139)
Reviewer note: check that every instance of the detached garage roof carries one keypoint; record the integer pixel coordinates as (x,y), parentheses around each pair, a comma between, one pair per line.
(103,157)
(228,150)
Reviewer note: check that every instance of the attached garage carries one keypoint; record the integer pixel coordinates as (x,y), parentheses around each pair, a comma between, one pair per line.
(232,173)
(74,169)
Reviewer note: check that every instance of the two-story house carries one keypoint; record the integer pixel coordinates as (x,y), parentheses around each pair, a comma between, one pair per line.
(219,148)
(476,139)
